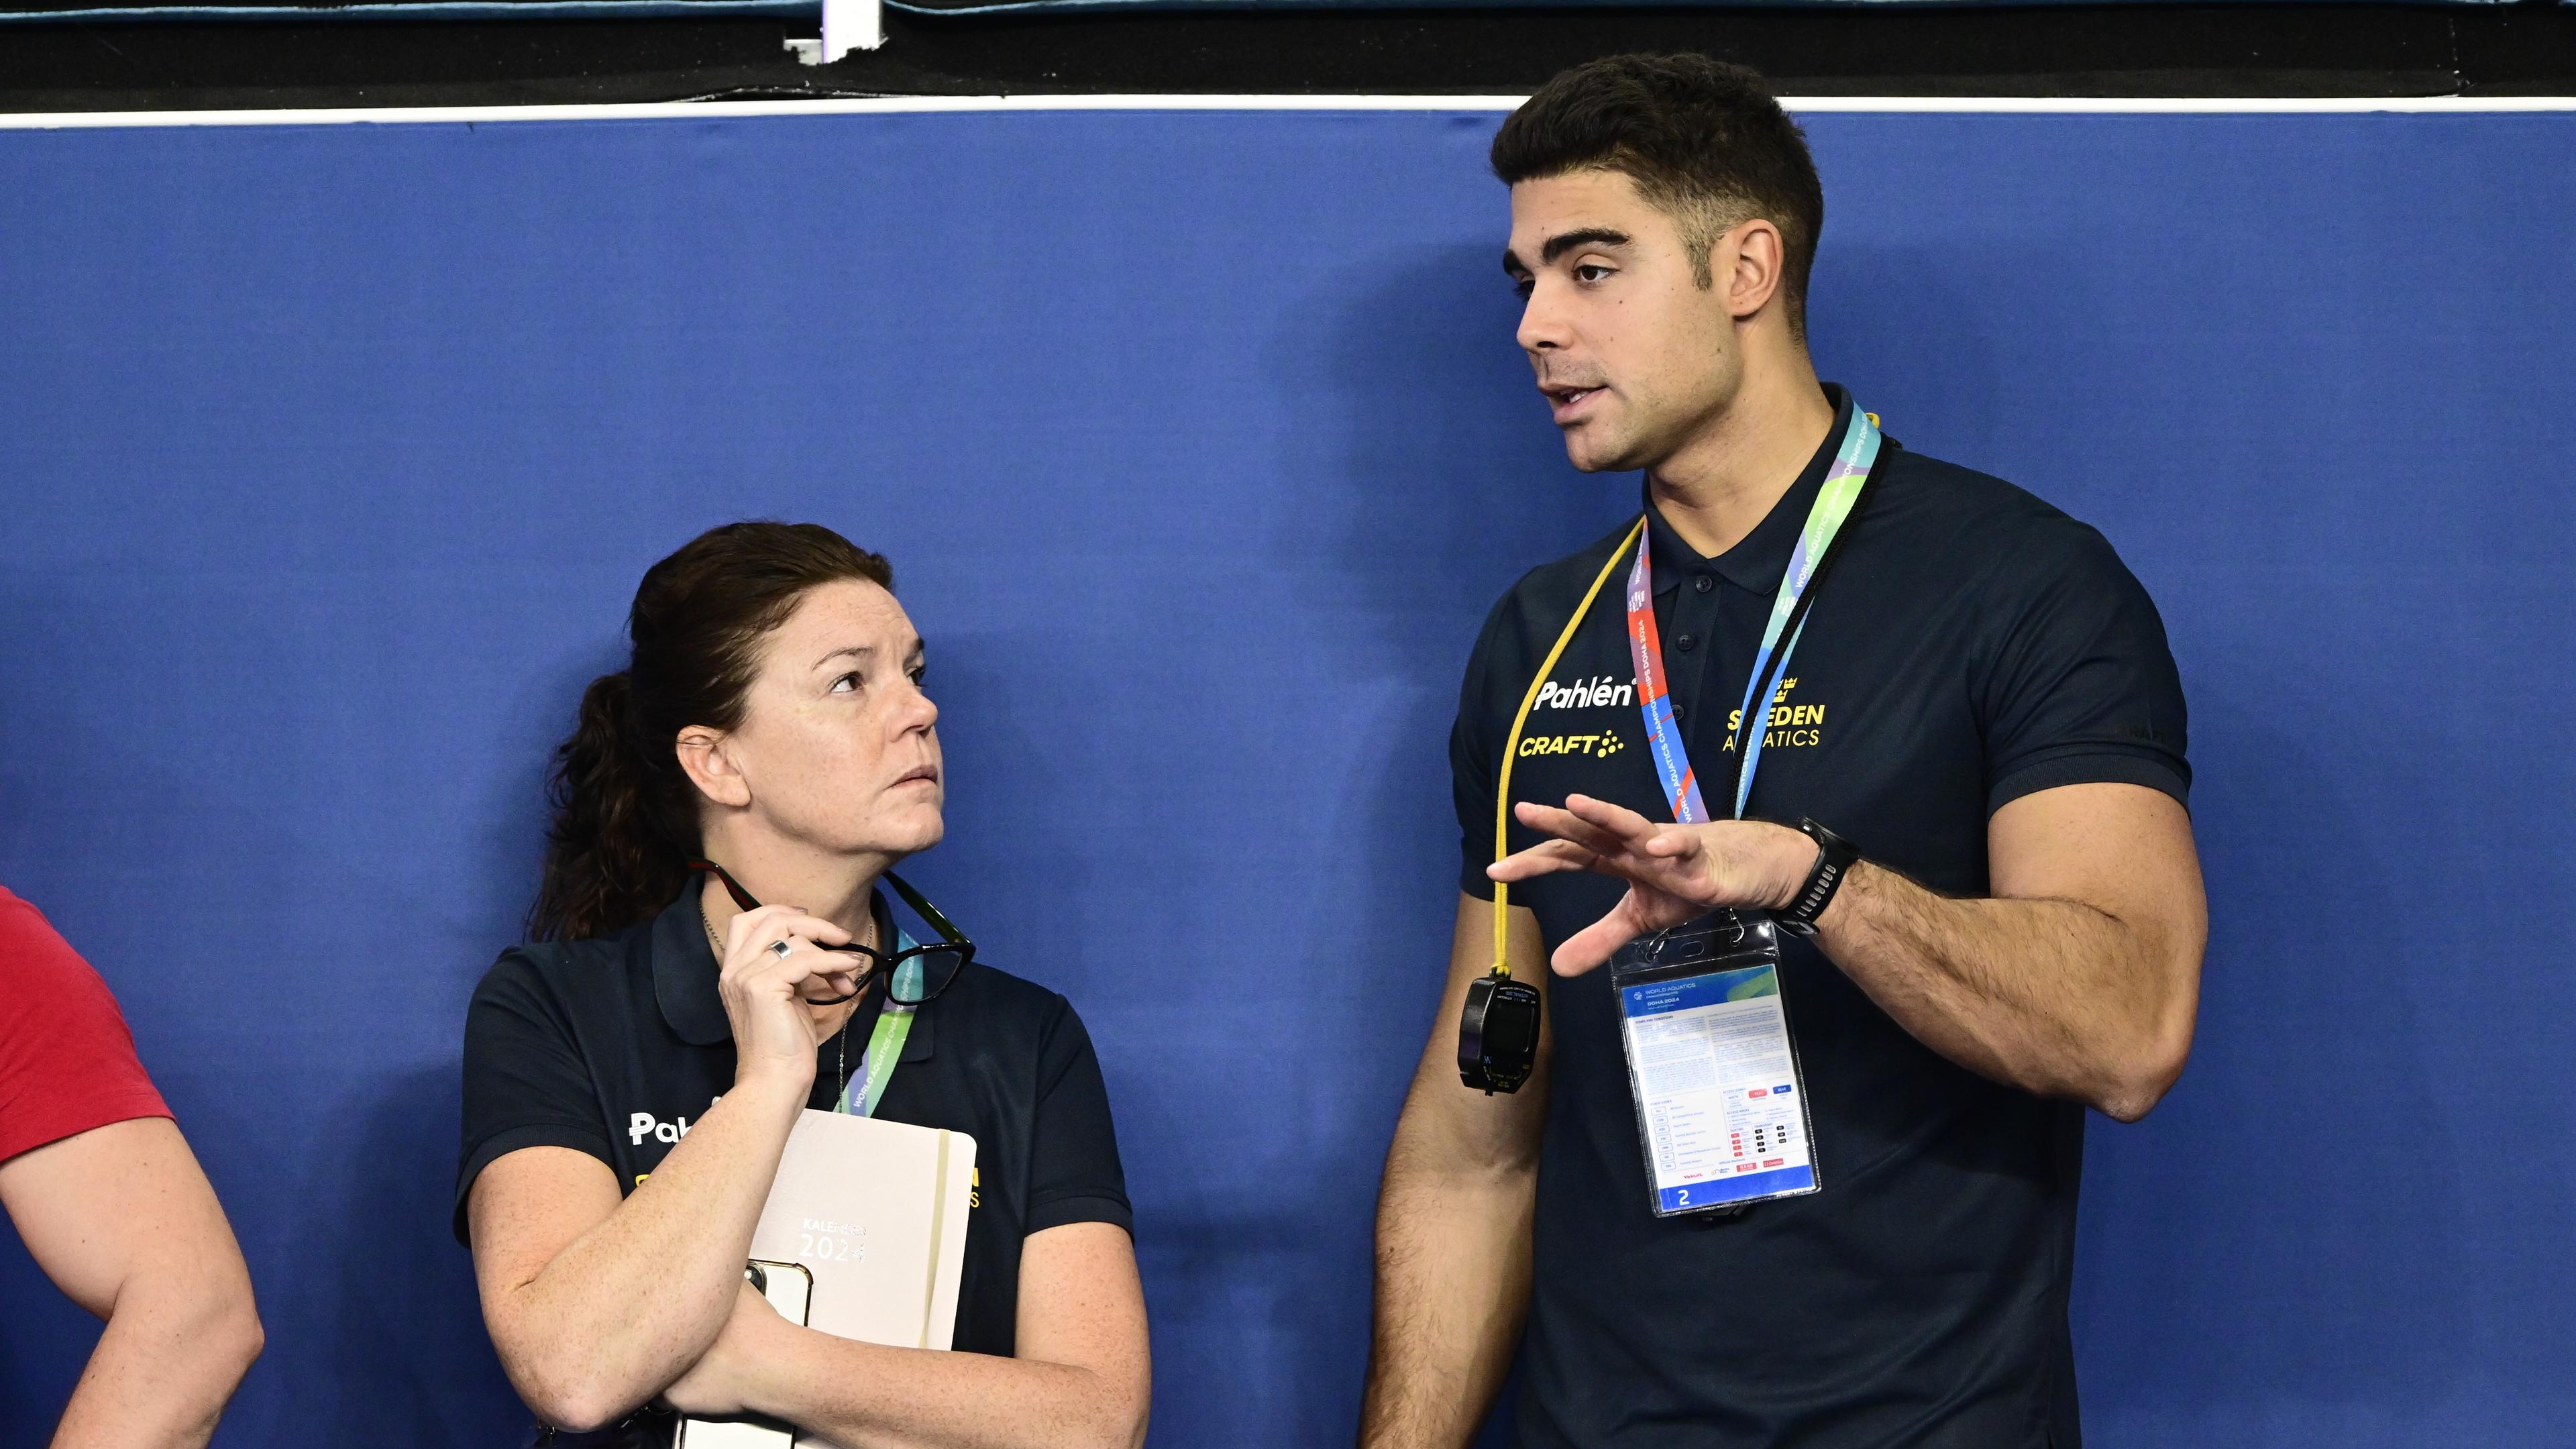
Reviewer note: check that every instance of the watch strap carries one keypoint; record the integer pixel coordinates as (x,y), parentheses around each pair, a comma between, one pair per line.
(1834,859)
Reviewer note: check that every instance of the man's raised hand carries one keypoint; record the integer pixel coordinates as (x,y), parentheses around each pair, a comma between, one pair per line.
(1674,872)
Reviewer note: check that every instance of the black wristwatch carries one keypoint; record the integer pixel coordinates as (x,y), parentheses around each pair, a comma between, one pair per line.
(1834,857)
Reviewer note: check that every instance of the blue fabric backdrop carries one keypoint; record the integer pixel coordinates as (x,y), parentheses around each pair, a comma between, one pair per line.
(330,457)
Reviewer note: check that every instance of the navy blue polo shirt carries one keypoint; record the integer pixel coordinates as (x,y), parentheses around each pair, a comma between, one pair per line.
(616,1046)
(1971,645)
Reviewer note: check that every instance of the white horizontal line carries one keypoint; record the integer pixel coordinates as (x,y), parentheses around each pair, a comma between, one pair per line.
(914,105)
(687,110)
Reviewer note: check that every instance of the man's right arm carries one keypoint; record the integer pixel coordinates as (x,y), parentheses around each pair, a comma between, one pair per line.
(123,1221)
(1453,1219)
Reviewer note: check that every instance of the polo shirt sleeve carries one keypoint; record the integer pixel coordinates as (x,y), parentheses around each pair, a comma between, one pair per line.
(1074,1176)
(67,1061)
(526,1084)
(2081,688)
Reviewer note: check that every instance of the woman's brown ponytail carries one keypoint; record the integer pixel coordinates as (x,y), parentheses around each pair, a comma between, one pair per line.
(625,814)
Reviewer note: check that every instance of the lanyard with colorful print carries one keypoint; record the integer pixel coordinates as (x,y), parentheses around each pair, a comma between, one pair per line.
(885,1041)
(1498,1026)
(1833,507)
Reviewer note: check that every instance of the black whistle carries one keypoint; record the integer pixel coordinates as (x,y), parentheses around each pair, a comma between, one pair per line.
(1498,1034)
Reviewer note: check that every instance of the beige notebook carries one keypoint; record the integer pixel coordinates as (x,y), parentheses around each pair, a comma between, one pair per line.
(877,1211)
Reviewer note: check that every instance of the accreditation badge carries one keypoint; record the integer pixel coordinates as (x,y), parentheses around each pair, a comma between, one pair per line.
(1721,1105)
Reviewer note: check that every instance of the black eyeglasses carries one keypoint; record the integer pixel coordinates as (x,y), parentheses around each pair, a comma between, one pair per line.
(940,962)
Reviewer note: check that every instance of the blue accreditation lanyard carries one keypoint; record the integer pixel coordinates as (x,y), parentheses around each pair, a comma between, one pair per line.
(1833,508)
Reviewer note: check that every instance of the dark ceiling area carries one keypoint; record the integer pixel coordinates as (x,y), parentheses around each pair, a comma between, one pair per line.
(2265,49)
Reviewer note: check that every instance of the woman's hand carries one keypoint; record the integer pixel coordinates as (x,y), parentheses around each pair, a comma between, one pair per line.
(1674,872)
(720,1382)
(774,1032)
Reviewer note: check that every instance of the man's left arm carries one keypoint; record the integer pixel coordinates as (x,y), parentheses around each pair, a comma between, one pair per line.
(2078,978)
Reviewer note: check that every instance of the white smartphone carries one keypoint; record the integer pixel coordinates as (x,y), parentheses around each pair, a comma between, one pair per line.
(789,1287)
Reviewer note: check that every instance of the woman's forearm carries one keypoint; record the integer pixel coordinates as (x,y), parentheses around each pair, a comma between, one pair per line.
(634,1301)
(867,1396)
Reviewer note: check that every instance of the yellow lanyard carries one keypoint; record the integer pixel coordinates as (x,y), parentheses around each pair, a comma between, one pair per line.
(1512,745)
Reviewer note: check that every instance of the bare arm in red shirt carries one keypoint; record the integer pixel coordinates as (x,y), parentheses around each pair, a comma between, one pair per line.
(123,1221)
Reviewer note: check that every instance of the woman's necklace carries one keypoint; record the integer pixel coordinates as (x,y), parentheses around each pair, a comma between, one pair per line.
(840,1039)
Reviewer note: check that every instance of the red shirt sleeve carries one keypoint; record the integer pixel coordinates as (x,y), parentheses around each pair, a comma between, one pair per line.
(67,1060)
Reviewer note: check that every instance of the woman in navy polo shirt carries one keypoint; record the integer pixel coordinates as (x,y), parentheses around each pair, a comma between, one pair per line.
(630,1081)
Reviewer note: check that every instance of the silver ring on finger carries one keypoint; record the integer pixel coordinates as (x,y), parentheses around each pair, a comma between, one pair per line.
(780,949)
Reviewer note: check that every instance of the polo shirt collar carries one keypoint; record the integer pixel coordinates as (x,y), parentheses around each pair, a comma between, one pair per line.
(1758,560)
(684,978)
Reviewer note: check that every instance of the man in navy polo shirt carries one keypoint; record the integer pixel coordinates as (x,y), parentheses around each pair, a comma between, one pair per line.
(1965,781)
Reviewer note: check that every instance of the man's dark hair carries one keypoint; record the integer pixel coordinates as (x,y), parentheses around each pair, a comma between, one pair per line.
(1703,140)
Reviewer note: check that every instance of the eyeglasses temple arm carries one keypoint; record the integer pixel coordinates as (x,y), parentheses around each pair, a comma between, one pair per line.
(922,907)
(920,904)
(741,898)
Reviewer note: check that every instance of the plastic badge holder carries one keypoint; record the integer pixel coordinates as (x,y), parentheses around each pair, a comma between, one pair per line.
(1712,1068)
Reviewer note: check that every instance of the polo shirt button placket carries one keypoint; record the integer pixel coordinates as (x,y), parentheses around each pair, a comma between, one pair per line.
(1703,583)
